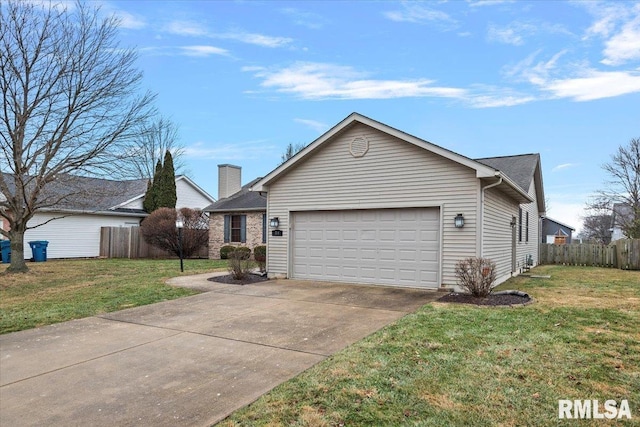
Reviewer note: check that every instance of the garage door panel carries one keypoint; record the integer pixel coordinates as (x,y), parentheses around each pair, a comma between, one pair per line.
(388,246)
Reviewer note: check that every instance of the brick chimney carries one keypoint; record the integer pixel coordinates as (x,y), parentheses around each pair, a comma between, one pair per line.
(229,180)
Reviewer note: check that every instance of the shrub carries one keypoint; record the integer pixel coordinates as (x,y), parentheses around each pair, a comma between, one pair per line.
(239,262)
(260,255)
(224,251)
(159,229)
(476,275)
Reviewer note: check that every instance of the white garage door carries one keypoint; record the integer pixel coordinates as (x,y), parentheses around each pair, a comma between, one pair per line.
(397,247)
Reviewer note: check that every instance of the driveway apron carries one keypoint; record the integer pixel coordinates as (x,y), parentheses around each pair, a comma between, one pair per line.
(186,362)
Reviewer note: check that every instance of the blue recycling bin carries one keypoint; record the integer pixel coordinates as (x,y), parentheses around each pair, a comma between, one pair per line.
(39,250)
(5,247)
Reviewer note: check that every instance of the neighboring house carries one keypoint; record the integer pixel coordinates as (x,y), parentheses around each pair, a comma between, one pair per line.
(239,216)
(367,203)
(555,232)
(621,213)
(96,203)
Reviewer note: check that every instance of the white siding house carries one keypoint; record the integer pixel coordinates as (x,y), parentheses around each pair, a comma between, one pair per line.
(367,203)
(74,232)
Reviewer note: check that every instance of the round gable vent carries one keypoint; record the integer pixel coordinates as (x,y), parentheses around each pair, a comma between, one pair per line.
(359,146)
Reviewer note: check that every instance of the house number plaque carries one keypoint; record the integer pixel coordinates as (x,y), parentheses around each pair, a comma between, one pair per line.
(276,233)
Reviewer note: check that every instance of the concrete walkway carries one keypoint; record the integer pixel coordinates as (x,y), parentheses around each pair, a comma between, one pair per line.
(186,362)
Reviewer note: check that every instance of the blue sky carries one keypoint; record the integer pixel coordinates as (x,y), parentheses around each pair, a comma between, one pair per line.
(482,78)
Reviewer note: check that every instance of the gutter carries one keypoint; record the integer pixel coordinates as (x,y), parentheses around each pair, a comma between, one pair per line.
(482,197)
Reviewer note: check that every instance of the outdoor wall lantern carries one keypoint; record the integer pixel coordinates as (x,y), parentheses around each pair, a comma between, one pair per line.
(513,222)
(274,222)
(458,221)
(180,226)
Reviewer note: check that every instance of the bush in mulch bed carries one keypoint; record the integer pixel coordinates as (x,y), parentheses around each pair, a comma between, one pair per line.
(497,299)
(246,280)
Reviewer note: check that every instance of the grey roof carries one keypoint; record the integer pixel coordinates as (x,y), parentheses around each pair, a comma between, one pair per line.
(551,220)
(520,169)
(243,200)
(70,192)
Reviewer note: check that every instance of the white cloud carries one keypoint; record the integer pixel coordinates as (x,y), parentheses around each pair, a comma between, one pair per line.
(309,20)
(511,34)
(186,28)
(619,25)
(481,3)
(607,17)
(516,32)
(498,98)
(320,81)
(594,84)
(313,124)
(129,21)
(625,45)
(578,82)
(563,166)
(195,29)
(246,150)
(328,81)
(255,39)
(420,14)
(201,50)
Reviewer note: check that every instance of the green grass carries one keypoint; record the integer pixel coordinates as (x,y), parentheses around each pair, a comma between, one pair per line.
(56,291)
(466,365)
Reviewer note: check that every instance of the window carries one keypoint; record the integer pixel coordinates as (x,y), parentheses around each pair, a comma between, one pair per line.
(519,224)
(526,227)
(235,228)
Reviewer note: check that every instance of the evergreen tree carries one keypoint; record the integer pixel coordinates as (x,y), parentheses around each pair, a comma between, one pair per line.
(150,202)
(166,196)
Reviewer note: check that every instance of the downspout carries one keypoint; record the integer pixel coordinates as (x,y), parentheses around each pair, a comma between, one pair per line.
(495,184)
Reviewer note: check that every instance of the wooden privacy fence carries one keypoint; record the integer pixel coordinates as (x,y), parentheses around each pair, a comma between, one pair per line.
(127,242)
(623,254)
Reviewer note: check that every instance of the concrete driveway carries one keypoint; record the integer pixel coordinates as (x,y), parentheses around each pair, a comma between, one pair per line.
(187,362)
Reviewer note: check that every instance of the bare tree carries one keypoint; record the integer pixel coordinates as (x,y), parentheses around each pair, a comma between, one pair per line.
(291,151)
(71,107)
(596,227)
(623,188)
(154,139)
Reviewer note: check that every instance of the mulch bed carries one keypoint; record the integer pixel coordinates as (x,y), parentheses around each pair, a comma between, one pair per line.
(229,280)
(500,299)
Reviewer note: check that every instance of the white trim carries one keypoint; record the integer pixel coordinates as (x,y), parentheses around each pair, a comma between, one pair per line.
(482,171)
(376,205)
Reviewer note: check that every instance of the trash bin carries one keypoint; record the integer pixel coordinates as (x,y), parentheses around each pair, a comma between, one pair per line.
(39,250)
(5,247)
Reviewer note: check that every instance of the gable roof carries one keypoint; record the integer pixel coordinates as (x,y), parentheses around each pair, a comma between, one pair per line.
(482,170)
(79,193)
(522,169)
(178,178)
(547,219)
(85,194)
(243,200)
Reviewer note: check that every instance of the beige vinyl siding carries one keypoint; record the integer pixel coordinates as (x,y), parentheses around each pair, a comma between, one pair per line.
(497,243)
(524,248)
(392,174)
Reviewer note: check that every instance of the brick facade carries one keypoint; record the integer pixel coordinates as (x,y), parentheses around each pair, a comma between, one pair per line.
(216,232)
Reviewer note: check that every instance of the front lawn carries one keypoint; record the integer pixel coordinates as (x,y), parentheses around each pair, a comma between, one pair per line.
(449,365)
(60,290)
